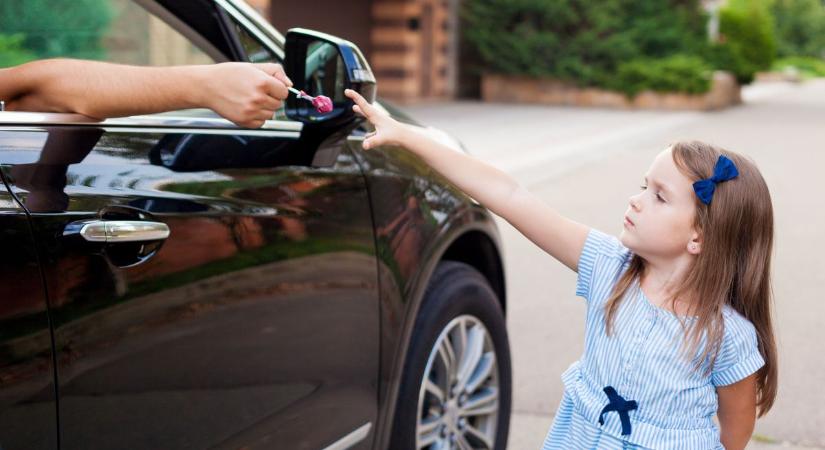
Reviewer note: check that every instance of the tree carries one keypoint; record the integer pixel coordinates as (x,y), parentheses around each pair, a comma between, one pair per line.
(748,41)
(800,27)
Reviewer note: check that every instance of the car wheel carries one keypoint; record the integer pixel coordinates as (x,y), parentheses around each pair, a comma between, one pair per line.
(455,389)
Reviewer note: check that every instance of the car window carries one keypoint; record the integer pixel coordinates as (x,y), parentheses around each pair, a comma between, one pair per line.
(255,51)
(119,31)
(137,32)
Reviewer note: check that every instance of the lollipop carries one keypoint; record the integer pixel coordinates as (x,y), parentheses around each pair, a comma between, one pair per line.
(322,103)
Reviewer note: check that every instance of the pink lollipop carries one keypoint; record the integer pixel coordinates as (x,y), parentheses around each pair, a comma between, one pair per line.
(322,103)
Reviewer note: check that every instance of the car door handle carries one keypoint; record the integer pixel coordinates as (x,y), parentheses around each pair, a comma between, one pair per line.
(115,231)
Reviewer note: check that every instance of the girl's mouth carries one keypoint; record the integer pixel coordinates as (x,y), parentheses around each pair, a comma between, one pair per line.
(628,222)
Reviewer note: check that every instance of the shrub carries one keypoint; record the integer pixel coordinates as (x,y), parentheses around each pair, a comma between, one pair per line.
(807,66)
(748,42)
(800,27)
(58,28)
(578,40)
(677,73)
(12,52)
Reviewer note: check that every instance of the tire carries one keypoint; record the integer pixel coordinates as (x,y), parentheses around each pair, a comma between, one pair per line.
(458,297)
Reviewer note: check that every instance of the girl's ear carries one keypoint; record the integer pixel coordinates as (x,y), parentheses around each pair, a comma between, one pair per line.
(694,246)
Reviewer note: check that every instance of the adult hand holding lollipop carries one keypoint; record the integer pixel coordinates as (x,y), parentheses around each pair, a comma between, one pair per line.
(322,103)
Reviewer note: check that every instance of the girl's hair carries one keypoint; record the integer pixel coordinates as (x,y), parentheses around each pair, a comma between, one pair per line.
(733,267)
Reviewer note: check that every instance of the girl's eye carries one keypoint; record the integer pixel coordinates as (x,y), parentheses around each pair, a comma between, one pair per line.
(658,195)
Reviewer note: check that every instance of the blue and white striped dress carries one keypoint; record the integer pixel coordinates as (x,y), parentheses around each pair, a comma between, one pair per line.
(642,360)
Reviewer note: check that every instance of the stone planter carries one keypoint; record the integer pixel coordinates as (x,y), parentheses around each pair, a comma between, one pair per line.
(724,92)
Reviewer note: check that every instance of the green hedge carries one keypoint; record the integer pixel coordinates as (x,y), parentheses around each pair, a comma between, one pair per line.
(677,73)
(625,45)
(580,41)
(12,51)
(58,28)
(748,41)
(800,27)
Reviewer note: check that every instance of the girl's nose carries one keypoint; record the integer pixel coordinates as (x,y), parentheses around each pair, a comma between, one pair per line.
(634,201)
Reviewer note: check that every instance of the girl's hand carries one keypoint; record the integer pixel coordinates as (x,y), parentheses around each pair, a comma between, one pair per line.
(387,129)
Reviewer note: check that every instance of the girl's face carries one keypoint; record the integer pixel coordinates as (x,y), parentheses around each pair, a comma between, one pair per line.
(659,220)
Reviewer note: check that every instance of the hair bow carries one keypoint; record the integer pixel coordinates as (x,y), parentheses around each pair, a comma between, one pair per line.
(724,170)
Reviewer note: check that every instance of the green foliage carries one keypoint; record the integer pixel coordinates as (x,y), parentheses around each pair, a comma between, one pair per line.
(12,52)
(800,27)
(52,28)
(807,66)
(606,43)
(582,41)
(677,73)
(748,42)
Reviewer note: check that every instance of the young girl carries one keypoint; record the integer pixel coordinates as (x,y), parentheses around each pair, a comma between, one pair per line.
(678,316)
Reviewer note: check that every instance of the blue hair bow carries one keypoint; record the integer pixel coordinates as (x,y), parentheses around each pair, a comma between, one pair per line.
(724,170)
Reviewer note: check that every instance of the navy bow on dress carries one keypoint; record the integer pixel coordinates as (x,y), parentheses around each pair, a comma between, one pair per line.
(620,405)
(724,170)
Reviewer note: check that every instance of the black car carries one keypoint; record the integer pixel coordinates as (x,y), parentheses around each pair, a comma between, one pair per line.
(174,281)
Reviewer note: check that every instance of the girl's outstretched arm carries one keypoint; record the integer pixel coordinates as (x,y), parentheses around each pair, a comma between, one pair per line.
(737,412)
(559,236)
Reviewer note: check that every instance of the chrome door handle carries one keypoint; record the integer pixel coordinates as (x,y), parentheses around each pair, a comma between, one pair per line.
(115,231)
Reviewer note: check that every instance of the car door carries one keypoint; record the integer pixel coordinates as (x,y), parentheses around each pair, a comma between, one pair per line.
(209,286)
(28,409)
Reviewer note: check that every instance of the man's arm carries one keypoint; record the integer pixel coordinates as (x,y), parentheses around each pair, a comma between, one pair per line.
(737,412)
(244,93)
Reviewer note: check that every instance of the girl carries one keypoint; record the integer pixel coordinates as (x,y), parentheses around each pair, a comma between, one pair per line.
(678,317)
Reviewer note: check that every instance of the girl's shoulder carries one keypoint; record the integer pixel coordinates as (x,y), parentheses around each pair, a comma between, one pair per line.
(601,244)
(603,257)
(736,325)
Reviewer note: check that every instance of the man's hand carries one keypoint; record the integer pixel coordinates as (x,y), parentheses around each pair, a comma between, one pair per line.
(247,94)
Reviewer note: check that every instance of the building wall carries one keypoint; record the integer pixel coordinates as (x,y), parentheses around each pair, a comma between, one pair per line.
(414,48)
(349,19)
(411,45)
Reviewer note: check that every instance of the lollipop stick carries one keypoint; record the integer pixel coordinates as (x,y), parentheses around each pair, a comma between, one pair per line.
(300,94)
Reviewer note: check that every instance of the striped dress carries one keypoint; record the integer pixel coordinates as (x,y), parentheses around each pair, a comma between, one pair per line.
(641,362)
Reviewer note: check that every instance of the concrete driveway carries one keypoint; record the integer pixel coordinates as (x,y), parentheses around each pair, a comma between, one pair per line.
(587,162)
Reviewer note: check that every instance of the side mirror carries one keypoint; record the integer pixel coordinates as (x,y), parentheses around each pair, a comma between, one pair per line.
(321,64)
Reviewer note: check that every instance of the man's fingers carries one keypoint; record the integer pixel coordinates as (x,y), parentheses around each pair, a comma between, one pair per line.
(270,104)
(276,89)
(277,71)
(251,123)
(265,114)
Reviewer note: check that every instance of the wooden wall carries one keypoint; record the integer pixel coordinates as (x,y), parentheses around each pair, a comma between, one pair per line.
(411,45)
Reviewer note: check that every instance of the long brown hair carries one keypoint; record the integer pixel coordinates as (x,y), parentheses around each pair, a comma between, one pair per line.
(733,267)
